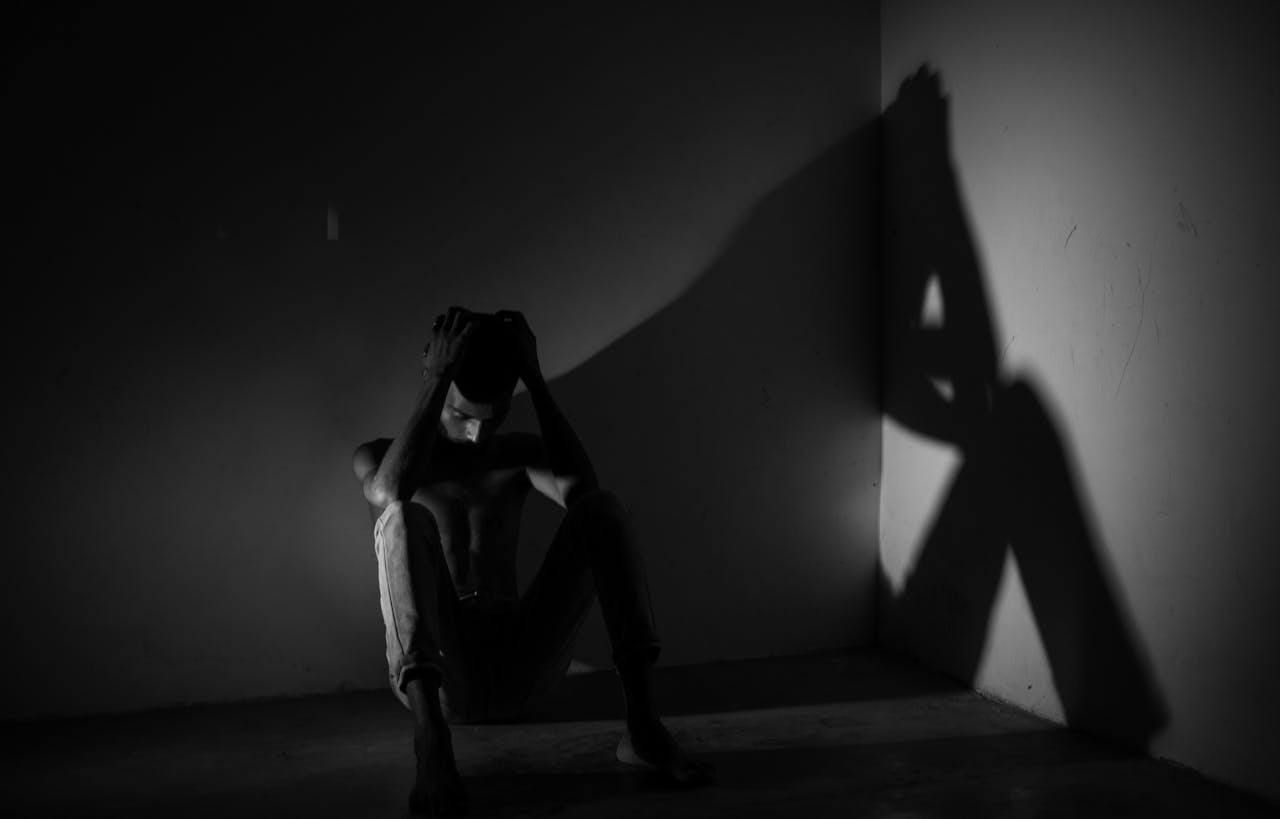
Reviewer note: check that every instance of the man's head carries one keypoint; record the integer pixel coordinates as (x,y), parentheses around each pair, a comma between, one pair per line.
(480,395)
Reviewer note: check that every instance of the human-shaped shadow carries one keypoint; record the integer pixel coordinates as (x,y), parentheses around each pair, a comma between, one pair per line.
(1014,487)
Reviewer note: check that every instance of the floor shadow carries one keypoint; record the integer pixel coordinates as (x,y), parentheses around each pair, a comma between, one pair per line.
(1015,488)
(746,685)
(1042,773)
(778,778)
(947,753)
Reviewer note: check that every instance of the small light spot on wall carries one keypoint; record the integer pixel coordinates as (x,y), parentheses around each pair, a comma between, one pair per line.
(331,223)
(932,311)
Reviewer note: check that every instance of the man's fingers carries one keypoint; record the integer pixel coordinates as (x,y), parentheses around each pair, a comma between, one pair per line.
(457,318)
(466,326)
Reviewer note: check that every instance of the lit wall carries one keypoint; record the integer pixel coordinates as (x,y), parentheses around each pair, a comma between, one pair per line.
(232,237)
(1081,280)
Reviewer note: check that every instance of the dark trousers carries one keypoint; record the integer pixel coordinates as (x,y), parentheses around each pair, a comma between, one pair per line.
(495,655)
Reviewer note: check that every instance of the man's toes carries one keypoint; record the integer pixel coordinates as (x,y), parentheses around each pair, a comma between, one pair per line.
(691,774)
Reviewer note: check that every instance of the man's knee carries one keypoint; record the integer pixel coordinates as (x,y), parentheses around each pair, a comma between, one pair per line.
(599,504)
(599,512)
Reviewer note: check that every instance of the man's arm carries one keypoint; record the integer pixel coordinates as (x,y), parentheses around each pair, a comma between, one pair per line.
(402,467)
(563,472)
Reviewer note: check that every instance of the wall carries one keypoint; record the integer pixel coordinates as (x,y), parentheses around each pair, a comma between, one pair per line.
(233,233)
(1076,512)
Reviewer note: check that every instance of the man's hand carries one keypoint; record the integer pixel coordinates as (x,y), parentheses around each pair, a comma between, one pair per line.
(523,343)
(448,342)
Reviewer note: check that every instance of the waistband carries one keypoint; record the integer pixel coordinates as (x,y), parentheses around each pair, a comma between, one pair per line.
(483,601)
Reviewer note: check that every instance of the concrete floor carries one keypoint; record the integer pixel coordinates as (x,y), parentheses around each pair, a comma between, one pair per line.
(840,734)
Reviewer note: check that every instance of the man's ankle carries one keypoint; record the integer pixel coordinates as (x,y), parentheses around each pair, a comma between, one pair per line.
(637,690)
(423,692)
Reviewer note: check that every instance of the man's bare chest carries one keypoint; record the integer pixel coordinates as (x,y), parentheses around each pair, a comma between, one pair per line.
(475,511)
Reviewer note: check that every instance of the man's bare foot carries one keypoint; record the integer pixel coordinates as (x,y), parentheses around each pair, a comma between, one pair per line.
(648,743)
(438,790)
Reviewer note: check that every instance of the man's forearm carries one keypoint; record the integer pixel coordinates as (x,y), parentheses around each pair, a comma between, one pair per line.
(401,470)
(568,458)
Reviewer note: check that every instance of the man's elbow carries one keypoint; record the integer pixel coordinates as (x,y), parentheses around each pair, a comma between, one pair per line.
(377,492)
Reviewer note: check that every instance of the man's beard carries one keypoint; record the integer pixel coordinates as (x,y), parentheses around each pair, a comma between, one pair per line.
(460,445)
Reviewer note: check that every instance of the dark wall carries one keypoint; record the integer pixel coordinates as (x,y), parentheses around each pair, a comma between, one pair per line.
(231,234)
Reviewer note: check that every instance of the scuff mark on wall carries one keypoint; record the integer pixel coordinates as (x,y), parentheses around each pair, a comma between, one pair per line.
(1142,306)
(1185,223)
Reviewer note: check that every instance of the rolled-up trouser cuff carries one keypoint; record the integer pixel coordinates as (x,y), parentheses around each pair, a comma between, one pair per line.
(416,663)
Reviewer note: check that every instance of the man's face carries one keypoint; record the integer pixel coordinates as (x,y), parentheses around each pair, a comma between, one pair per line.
(465,422)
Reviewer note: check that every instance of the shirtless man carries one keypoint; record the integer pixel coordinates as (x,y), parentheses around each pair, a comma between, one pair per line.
(446,497)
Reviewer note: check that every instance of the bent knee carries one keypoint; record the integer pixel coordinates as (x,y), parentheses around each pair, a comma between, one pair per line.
(599,505)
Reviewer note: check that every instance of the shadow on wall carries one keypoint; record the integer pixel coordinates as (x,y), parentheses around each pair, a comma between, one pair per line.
(740,424)
(1014,488)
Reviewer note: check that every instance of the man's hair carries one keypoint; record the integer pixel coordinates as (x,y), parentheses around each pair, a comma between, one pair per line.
(487,374)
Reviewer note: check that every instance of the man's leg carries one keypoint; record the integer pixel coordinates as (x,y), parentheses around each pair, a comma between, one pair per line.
(595,554)
(419,610)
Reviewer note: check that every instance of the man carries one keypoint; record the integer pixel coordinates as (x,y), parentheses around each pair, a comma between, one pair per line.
(446,497)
